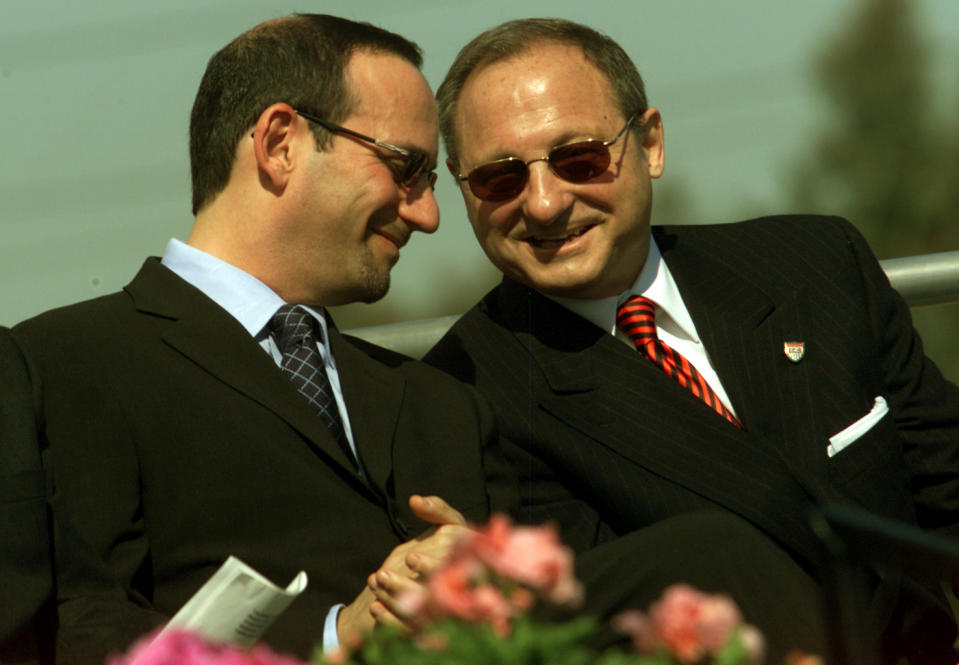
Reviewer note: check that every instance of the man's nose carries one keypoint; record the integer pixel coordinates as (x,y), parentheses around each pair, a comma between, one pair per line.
(547,196)
(419,209)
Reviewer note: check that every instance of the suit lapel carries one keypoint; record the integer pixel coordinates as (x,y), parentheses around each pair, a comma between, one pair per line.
(606,391)
(726,312)
(744,325)
(212,339)
(374,396)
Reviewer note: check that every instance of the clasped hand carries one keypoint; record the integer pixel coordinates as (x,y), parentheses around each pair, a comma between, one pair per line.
(405,568)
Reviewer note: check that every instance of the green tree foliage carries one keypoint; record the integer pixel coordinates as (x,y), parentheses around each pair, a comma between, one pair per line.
(885,155)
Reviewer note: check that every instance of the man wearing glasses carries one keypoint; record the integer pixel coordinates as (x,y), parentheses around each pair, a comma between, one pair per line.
(212,408)
(641,375)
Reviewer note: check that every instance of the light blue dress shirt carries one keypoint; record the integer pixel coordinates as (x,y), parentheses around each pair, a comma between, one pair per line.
(253,304)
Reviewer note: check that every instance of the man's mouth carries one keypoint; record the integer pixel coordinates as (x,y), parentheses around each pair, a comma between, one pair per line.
(552,243)
(398,241)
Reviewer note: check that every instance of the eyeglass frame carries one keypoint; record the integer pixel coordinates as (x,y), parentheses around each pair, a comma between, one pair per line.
(409,155)
(461,178)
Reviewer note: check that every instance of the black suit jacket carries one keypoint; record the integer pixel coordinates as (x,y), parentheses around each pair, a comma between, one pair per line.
(608,443)
(177,441)
(26,579)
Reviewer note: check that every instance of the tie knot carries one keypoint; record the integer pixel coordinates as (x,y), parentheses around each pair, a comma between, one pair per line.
(636,317)
(291,325)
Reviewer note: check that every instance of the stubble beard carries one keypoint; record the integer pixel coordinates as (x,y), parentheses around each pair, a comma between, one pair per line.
(374,281)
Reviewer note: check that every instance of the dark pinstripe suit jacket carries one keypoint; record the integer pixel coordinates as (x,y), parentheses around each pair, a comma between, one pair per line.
(607,443)
(176,442)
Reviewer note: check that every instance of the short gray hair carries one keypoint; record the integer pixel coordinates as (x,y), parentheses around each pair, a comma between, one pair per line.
(519,36)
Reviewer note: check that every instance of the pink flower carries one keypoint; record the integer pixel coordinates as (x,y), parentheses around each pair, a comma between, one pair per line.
(493,574)
(413,603)
(337,656)
(494,608)
(459,590)
(532,556)
(690,625)
(756,646)
(522,599)
(639,628)
(451,588)
(181,647)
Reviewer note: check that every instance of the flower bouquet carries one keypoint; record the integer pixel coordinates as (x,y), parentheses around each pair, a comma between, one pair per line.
(479,607)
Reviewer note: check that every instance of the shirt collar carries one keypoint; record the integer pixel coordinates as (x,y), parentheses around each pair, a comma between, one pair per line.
(656,283)
(243,296)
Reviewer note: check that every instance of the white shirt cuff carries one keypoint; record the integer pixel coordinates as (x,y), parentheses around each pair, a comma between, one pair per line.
(331,640)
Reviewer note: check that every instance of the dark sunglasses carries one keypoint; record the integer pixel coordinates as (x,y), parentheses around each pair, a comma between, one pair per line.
(415,162)
(577,162)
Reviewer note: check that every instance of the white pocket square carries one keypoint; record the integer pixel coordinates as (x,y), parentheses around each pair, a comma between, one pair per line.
(842,439)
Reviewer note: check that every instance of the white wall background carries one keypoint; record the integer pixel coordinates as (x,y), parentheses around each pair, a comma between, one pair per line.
(95,99)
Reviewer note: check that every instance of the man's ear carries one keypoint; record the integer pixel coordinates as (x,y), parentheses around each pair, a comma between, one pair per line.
(274,146)
(653,142)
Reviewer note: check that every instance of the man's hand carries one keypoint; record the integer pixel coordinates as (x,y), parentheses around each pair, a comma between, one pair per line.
(403,569)
(437,542)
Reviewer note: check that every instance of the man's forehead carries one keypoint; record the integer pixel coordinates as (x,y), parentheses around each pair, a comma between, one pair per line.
(537,55)
(375,72)
(529,69)
(554,84)
(391,94)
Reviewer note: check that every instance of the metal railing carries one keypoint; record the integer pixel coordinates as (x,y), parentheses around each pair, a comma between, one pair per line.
(927,279)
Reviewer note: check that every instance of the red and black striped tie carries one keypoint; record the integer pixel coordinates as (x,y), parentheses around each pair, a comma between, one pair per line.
(636,318)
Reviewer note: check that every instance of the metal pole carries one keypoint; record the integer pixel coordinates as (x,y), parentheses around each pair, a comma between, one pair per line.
(927,279)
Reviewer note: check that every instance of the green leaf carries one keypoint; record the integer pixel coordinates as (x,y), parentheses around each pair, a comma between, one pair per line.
(733,652)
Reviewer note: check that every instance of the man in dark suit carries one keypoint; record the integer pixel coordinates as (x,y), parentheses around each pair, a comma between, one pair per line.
(26,582)
(196,414)
(767,365)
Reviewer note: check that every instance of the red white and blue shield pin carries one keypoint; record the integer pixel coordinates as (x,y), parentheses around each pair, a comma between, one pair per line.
(794,350)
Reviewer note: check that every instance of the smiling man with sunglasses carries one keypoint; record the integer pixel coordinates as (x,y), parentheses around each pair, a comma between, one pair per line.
(646,376)
(212,408)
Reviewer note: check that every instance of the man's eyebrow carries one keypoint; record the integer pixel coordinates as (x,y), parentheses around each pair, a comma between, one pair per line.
(395,156)
(413,148)
(493,157)
(431,161)
(569,136)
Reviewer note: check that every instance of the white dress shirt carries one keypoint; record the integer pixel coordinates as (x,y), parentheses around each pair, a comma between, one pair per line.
(253,304)
(673,324)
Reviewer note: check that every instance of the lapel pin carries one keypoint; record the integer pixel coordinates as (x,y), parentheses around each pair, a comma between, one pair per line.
(794,350)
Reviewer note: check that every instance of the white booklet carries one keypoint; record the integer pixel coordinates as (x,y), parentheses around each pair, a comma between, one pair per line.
(236,605)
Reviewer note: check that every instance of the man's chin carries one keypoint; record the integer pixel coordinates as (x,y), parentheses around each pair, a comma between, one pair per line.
(560,286)
(375,287)
(575,290)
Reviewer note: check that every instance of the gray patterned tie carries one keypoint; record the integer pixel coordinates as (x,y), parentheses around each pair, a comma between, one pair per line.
(295,333)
